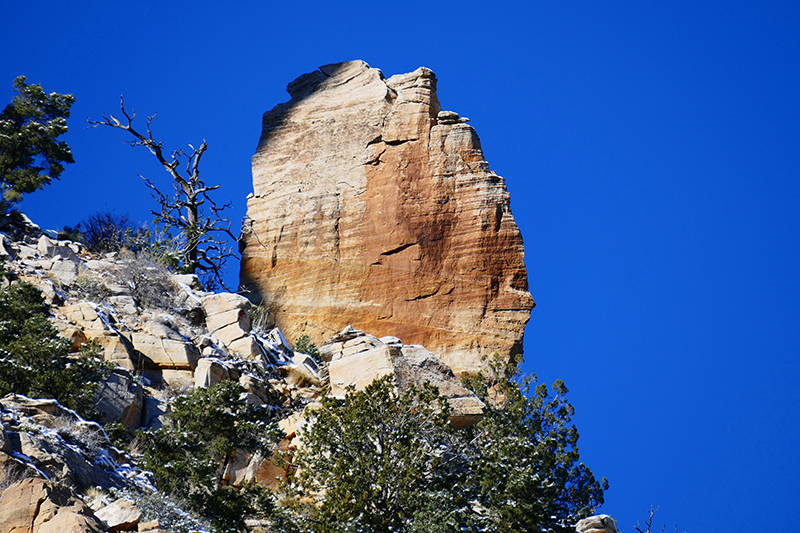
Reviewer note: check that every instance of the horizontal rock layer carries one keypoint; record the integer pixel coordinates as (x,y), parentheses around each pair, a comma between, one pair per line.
(373,207)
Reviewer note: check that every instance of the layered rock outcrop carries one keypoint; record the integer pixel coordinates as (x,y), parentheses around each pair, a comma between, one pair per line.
(43,506)
(356,359)
(374,207)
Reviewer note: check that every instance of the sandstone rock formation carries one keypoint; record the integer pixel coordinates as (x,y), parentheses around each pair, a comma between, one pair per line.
(228,320)
(358,359)
(55,443)
(43,506)
(374,207)
(164,347)
(121,515)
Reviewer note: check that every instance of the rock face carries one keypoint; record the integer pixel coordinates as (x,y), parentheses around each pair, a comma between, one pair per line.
(357,359)
(42,506)
(56,443)
(374,207)
(122,515)
(120,399)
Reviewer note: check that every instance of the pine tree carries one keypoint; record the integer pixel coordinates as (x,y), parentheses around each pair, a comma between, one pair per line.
(35,360)
(31,156)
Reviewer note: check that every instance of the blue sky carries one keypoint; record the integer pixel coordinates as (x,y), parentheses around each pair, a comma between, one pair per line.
(652,151)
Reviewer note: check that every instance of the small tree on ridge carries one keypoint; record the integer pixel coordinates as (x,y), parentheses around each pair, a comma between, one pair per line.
(202,250)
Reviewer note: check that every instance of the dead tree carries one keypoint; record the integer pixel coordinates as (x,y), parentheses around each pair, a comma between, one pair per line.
(202,250)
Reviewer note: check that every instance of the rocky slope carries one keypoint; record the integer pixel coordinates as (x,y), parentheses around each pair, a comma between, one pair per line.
(166,336)
(374,207)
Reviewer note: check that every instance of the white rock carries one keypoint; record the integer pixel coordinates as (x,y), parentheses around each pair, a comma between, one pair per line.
(122,515)
(210,371)
(597,524)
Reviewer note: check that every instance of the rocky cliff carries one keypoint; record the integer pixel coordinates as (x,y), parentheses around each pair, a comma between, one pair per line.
(373,207)
(166,335)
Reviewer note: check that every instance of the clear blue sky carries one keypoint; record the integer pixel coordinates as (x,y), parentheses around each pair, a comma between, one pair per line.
(652,151)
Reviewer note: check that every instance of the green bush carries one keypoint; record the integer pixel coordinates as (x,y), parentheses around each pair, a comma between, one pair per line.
(528,473)
(380,461)
(198,441)
(304,345)
(35,361)
(384,461)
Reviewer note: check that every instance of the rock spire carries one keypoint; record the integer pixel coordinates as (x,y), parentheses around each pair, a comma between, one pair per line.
(373,207)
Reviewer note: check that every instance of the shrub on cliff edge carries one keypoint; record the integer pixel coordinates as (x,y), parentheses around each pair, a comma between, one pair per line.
(35,360)
(189,455)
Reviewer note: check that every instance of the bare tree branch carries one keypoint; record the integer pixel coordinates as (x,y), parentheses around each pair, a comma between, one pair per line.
(201,250)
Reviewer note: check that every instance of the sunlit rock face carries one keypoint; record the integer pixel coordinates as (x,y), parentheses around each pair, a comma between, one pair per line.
(373,207)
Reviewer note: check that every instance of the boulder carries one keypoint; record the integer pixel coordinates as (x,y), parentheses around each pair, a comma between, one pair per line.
(124,303)
(64,249)
(210,371)
(254,385)
(373,207)
(223,310)
(166,353)
(228,321)
(417,365)
(84,321)
(120,399)
(359,369)
(121,515)
(247,347)
(597,524)
(72,453)
(40,410)
(85,315)
(43,506)
(358,358)
(153,526)
(26,252)
(64,270)
(116,348)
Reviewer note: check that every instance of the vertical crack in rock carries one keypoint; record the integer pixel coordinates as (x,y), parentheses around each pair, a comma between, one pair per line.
(384,215)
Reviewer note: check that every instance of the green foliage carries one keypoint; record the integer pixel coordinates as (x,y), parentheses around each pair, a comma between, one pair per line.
(190,453)
(380,458)
(118,434)
(35,361)
(30,154)
(528,472)
(380,461)
(304,345)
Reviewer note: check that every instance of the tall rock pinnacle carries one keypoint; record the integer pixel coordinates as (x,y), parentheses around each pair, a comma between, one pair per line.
(373,207)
